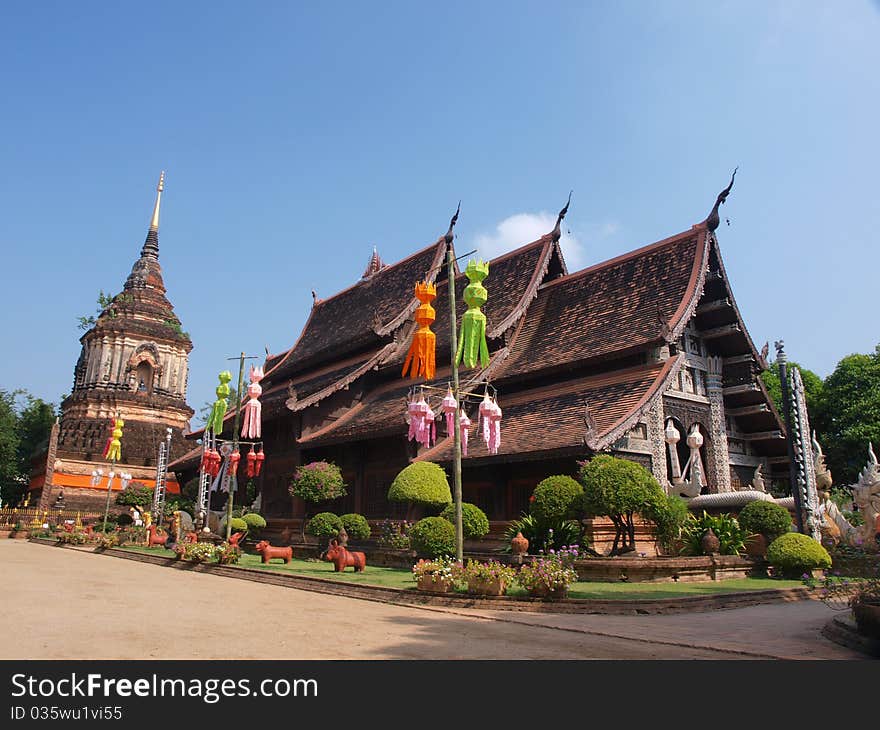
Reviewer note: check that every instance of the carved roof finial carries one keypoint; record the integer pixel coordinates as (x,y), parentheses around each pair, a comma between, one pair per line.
(556,233)
(375,264)
(449,234)
(713,220)
(314,297)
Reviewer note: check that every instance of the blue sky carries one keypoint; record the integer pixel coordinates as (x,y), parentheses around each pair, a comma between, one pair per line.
(296,136)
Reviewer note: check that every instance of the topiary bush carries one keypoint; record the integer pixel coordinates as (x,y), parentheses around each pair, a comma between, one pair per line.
(239,525)
(324,524)
(765,518)
(254,521)
(474,523)
(422,483)
(793,554)
(356,526)
(556,498)
(433,537)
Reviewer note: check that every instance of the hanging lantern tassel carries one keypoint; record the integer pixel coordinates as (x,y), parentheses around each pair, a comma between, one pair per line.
(109,438)
(422,350)
(472,345)
(494,428)
(251,427)
(464,423)
(449,406)
(486,410)
(251,462)
(260,458)
(430,432)
(218,410)
(114,453)
(234,458)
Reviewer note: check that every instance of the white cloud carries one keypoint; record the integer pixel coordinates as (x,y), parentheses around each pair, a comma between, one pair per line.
(522,228)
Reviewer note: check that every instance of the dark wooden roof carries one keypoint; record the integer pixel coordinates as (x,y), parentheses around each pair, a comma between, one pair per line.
(620,306)
(554,419)
(359,316)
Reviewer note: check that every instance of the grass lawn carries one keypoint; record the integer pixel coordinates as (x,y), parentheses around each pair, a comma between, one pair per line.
(398,578)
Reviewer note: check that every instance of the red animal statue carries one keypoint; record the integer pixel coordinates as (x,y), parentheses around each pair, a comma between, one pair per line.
(342,558)
(154,539)
(191,537)
(269,551)
(235,538)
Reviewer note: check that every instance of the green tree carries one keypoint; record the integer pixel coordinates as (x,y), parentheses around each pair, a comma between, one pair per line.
(618,489)
(317,482)
(11,486)
(25,423)
(813,388)
(849,415)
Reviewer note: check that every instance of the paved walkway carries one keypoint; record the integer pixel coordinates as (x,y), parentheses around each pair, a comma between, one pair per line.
(67,604)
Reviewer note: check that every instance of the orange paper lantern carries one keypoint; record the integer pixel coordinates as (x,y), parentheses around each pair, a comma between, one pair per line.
(420,359)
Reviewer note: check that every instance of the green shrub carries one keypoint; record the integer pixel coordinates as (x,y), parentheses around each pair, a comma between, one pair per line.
(254,521)
(765,518)
(356,526)
(474,523)
(669,514)
(433,537)
(324,524)
(135,495)
(794,553)
(731,536)
(239,525)
(421,483)
(556,498)
(543,536)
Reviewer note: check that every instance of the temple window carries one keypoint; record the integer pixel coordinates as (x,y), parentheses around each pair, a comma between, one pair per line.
(144,378)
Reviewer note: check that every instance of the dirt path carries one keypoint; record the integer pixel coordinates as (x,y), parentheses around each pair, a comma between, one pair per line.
(67,604)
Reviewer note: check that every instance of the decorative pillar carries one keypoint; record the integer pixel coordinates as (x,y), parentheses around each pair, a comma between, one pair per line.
(654,422)
(720,457)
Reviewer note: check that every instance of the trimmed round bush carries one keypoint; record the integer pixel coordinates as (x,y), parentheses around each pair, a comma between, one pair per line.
(433,537)
(324,524)
(239,525)
(474,523)
(356,526)
(421,483)
(765,518)
(254,521)
(556,498)
(794,553)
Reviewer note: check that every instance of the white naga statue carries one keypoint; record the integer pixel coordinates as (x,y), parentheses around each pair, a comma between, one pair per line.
(835,528)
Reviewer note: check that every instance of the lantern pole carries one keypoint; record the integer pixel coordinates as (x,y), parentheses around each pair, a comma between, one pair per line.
(233,482)
(110,481)
(453,343)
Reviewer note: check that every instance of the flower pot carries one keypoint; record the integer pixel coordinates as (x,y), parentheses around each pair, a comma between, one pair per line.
(486,586)
(429,585)
(867,618)
(519,545)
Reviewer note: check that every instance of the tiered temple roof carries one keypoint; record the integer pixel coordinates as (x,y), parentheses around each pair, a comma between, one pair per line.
(577,358)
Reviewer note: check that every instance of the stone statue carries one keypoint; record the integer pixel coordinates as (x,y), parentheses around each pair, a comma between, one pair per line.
(866,496)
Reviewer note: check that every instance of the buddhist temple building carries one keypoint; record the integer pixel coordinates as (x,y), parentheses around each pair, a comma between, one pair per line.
(644,356)
(133,365)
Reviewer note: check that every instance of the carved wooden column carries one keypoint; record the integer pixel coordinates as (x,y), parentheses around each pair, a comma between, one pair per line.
(658,444)
(720,456)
